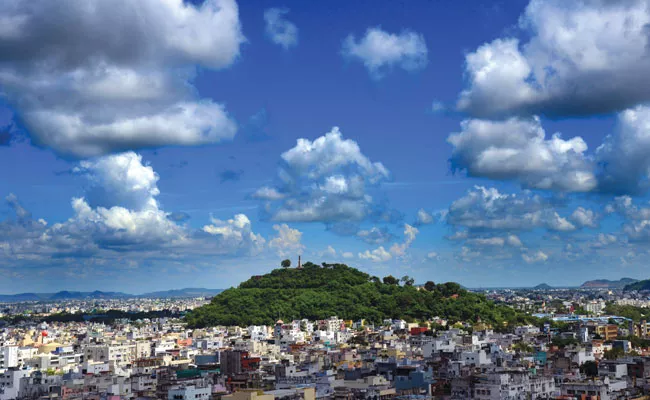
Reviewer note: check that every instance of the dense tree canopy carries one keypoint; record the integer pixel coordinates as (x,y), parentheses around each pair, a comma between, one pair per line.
(318,293)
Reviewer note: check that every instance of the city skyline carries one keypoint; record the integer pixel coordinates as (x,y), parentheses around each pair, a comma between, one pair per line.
(228,136)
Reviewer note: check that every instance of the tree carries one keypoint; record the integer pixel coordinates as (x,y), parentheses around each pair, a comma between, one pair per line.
(407,280)
(589,368)
(430,286)
(390,280)
(614,353)
(286,263)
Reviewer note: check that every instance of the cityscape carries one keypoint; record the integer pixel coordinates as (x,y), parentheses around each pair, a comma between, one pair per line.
(324,200)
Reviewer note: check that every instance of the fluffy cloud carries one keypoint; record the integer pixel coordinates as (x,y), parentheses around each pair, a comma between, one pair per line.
(535,257)
(582,57)
(375,235)
(636,226)
(488,209)
(235,235)
(287,242)
(583,217)
(517,149)
(410,233)
(495,241)
(623,155)
(278,29)
(325,180)
(381,51)
(89,79)
(424,218)
(377,255)
(119,216)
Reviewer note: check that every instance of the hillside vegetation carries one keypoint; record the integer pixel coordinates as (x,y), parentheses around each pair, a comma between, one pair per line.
(316,292)
(640,285)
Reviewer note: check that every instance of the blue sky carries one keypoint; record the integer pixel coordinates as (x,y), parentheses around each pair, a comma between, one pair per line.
(201,143)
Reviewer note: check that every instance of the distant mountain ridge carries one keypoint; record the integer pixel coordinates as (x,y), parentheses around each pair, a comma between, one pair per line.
(608,284)
(74,295)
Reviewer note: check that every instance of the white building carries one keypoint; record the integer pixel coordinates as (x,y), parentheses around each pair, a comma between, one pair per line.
(8,357)
(189,392)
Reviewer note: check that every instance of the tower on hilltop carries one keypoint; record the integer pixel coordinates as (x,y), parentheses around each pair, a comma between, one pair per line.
(299,264)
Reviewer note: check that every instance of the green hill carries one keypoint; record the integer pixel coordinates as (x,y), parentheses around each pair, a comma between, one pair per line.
(639,285)
(316,292)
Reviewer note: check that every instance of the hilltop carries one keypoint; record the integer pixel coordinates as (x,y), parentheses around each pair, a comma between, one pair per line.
(608,284)
(543,286)
(639,285)
(316,292)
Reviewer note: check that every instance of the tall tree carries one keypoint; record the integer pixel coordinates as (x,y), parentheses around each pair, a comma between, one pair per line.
(286,263)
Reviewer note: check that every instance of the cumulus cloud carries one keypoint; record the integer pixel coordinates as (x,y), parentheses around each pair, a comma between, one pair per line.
(424,218)
(119,215)
(583,217)
(581,57)
(488,209)
(287,242)
(636,219)
(381,51)
(325,180)
(120,180)
(517,149)
(623,155)
(535,257)
(377,255)
(93,78)
(410,233)
(375,235)
(236,235)
(278,29)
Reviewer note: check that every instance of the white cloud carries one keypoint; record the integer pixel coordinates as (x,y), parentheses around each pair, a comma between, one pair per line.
(375,235)
(624,154)
(582,58)
(287,242)
(329,252)
(488,209)
(636,225)
(517,149)
(377,255)
(424,217)
(325,180)
(101,77)
(583,217)
(126,221)
(120,179)
(278,29)
(381,51)
(535,257)
(347,255)
(410,233)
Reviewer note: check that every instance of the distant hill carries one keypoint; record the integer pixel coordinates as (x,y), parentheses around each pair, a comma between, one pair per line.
(543,286)
(607,284)
(187,292)
(71,295)
(316,292)
(639,285)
